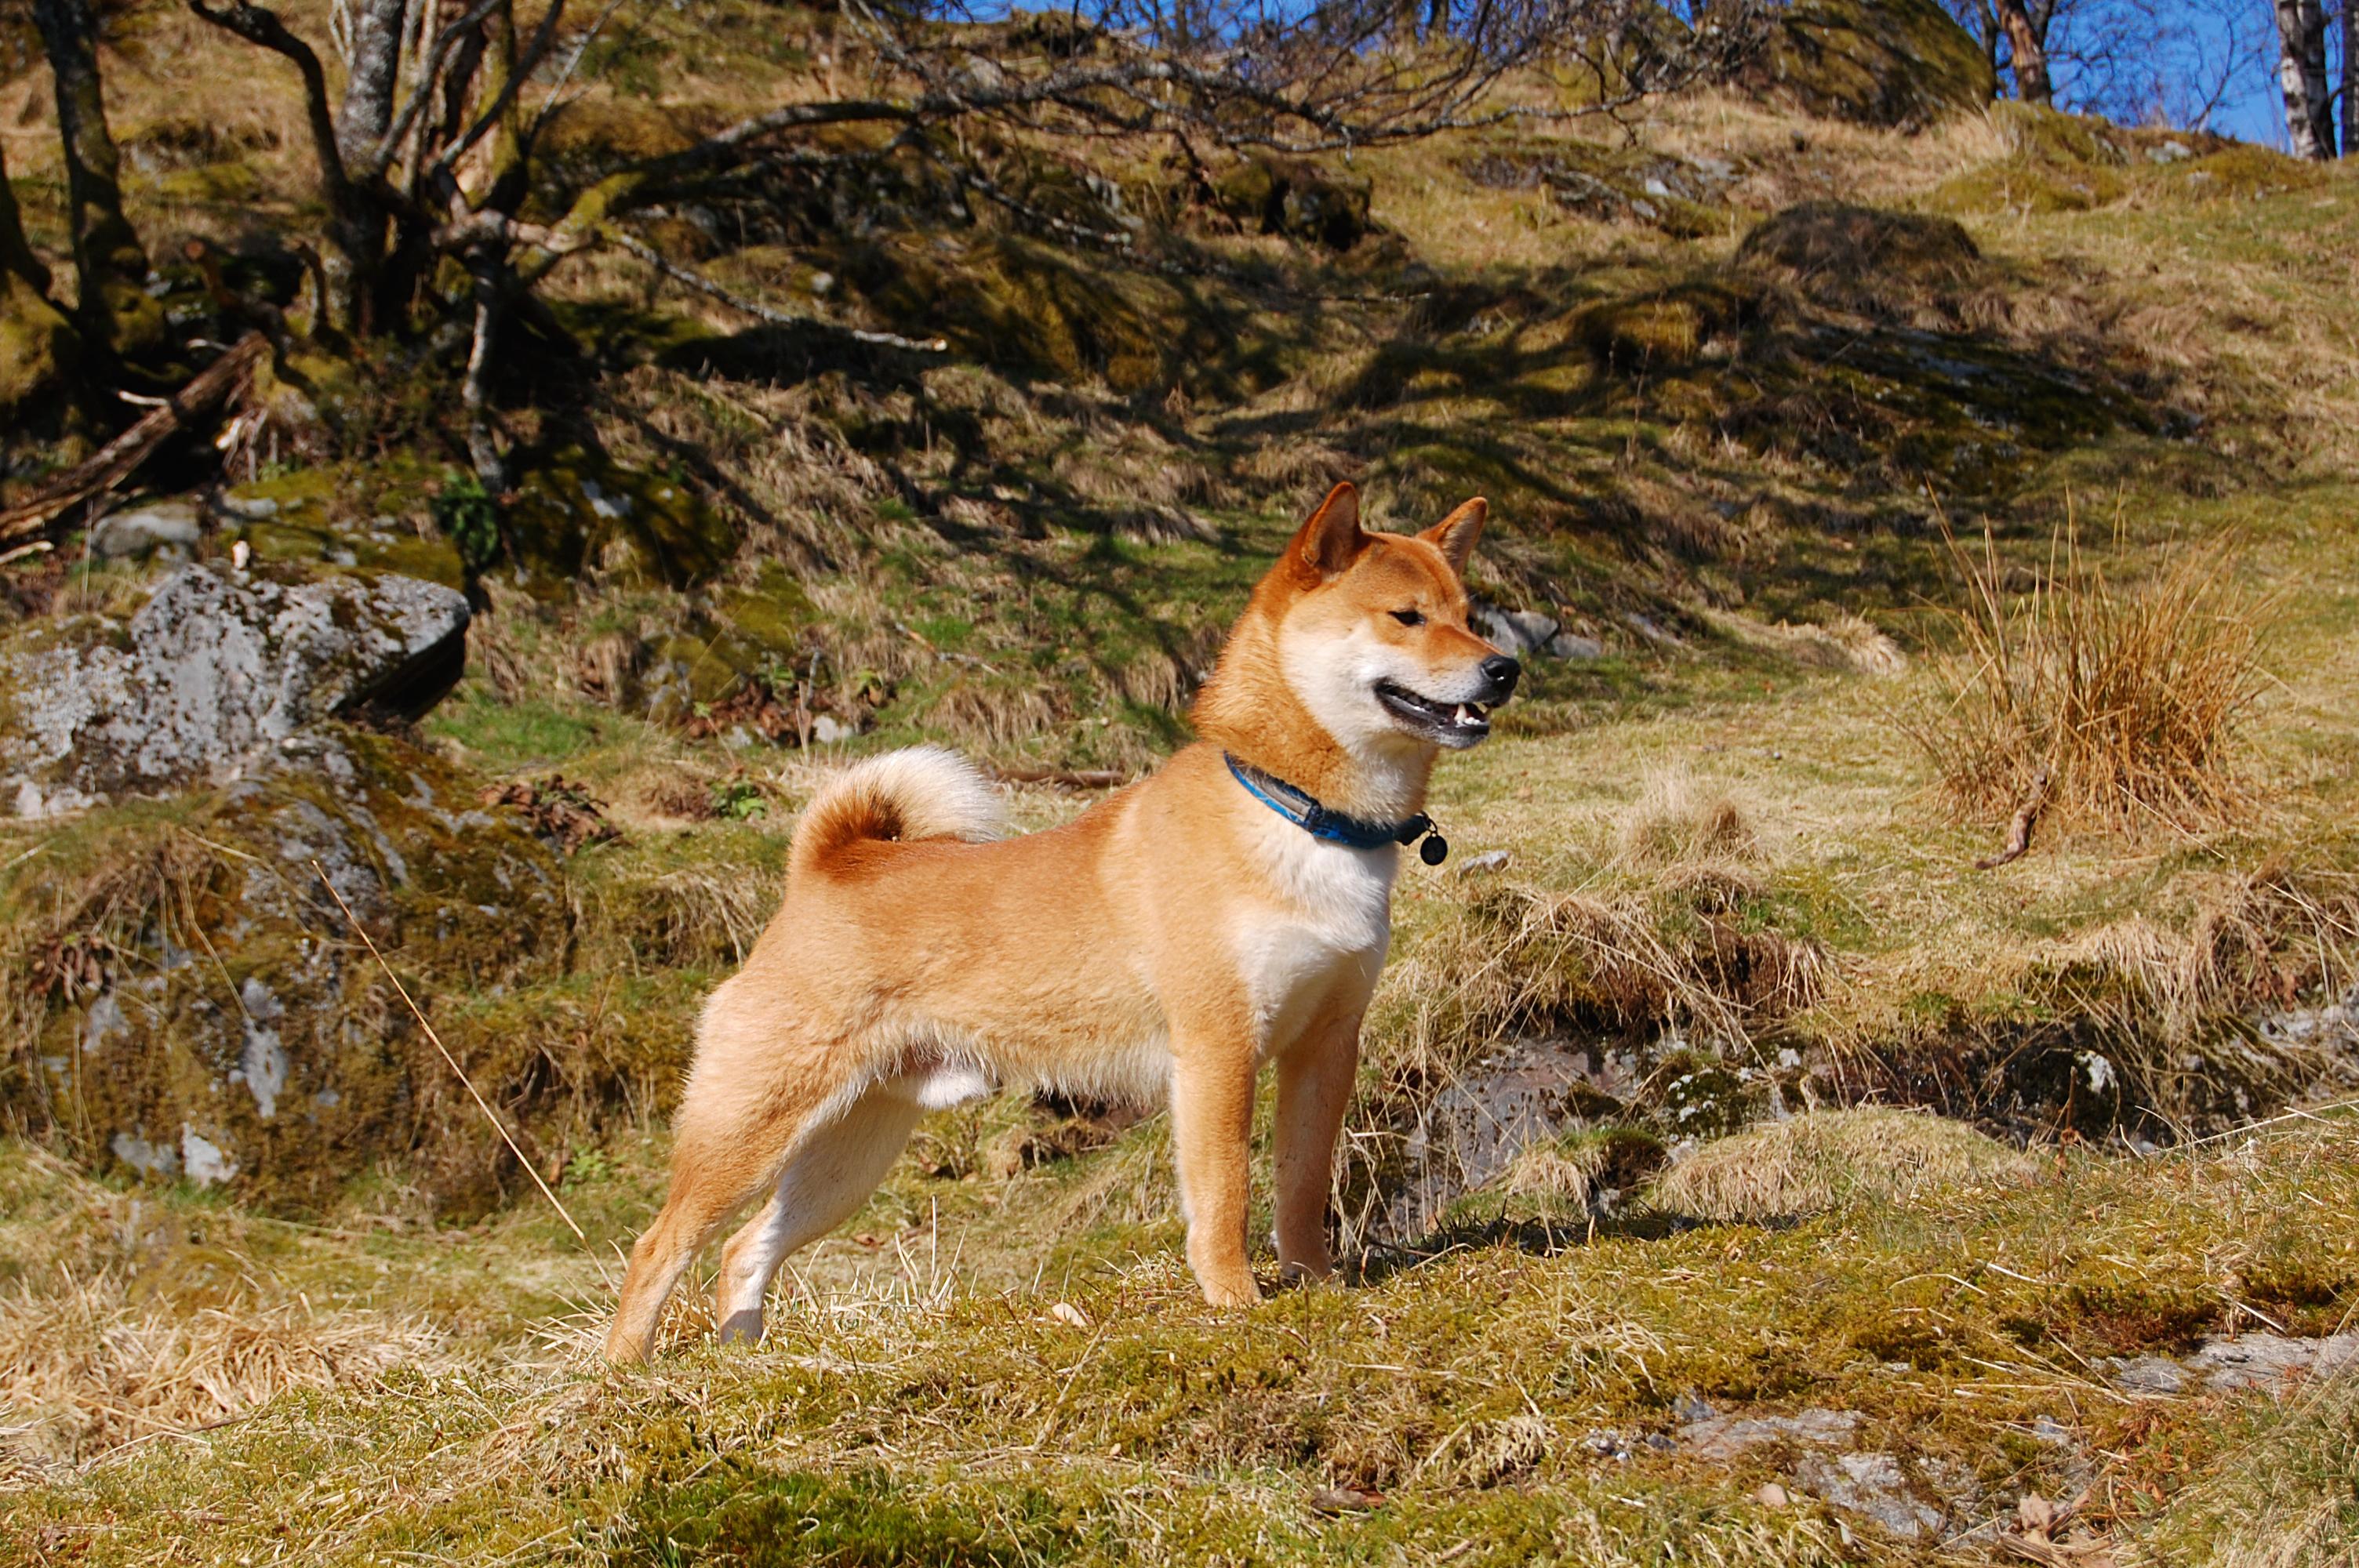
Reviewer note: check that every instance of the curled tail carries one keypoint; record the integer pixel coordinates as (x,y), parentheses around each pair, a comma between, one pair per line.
(922,793)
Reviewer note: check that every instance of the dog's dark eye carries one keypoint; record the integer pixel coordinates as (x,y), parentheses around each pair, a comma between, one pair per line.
(1410,617)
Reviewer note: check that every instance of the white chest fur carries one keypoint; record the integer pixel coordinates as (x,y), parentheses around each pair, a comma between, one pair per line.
(1323,929)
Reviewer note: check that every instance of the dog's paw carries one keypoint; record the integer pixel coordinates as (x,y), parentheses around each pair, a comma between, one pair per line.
(1231,1290)
(1305,1270)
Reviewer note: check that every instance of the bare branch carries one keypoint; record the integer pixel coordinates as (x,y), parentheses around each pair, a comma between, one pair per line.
(761,312)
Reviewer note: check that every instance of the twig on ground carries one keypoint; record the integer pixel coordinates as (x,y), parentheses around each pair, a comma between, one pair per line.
(2018,833)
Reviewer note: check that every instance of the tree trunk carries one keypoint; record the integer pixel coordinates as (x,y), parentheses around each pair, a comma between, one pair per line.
(117,316)
(2028,48)
(2351,78)
(375,70)
(2301,77)
(38,345)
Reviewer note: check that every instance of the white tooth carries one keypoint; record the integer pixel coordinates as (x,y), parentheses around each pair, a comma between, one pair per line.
(1463,717)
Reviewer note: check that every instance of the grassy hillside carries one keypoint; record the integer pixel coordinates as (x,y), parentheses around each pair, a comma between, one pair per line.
(1820,441)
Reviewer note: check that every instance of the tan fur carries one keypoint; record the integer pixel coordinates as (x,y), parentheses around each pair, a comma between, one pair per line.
(1171,938)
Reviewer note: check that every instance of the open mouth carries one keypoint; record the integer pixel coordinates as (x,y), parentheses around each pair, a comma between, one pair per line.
(1451,723)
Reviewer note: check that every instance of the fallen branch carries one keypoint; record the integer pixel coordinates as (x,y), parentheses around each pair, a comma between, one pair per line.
(2018,833)
(498,1125)
(1068,778)
(761,312)
(120,458)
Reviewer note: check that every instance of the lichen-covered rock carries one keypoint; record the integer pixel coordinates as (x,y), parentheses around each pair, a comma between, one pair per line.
(226,1027)
(218,669)
(1879,63)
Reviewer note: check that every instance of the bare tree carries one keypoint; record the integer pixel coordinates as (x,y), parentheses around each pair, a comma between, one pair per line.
(429,153)
(117,314)
(2301,77)
(2026,25)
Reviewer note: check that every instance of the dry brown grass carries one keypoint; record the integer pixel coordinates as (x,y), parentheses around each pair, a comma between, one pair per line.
(1809,1163)
(2130,700)
(85,1369)
(1680,819)
(120,1328)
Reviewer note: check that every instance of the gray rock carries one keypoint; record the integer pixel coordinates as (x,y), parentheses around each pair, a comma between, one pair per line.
(1872,1485)
(245,508)
(1488,861)
(2253,1358)
(138,531)
(217,670)
(1514,631)
(2146,1374)
(1573,645)
(1728,1436)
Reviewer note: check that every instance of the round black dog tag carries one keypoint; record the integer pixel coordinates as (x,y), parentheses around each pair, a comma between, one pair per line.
(1434,851)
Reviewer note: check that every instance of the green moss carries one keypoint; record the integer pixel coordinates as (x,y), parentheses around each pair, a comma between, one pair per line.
(577,512)
(1056,315)
(1883,63)
(743,1514)
(2239,172)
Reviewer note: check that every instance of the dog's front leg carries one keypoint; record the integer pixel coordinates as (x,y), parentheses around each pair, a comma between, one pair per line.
(1314,1083)
(1211,1134)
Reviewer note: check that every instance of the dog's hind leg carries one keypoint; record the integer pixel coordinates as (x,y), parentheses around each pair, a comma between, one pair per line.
(828,1174)
(751,1099)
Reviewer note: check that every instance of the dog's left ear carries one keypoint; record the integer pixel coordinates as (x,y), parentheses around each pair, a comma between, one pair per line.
(1455,535)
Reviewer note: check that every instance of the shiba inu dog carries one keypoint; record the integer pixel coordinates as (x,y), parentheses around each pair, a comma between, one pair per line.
(1229,911)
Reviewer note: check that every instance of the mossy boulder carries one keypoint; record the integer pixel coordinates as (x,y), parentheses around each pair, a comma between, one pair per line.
(1041,312)
(1900,63)
(1867,260)
(38,348)
(1661,327)
(219,1023)
(1616,185)
(1298,198)
(2238,172)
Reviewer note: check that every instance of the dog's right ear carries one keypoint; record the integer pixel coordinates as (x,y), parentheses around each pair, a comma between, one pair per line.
(1326,545)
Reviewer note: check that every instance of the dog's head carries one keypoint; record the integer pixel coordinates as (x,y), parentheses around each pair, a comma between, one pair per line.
(1372,633)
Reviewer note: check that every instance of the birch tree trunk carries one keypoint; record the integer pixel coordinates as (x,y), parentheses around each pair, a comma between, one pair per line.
(38,347)
(2301,77)
(116,315)
(2026,40)
(2351,78)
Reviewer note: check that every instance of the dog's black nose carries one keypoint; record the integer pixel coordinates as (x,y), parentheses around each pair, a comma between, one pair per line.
(1501,672)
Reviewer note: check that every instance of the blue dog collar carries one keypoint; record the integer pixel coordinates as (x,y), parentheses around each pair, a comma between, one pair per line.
(1299,808)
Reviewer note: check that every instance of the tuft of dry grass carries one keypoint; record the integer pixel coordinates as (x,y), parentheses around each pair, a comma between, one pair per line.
(1680,820)
(84,1368)
(120,1328)
(2286,1496)
(1824,1159)
(2128,699)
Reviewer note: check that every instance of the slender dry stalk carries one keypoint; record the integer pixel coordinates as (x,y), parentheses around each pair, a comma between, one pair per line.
(2133,698)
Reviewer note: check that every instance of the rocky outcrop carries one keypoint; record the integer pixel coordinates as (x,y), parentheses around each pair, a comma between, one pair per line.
(1901,64)
(218,669)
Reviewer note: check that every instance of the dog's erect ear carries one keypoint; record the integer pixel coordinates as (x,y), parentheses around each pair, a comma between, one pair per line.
(1455,535)
(1331,540)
